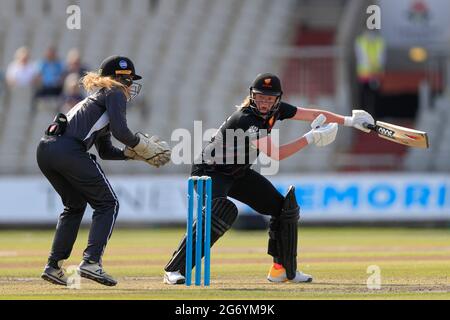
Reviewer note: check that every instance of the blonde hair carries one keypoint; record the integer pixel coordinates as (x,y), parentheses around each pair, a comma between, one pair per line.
(93,81)
(245,103)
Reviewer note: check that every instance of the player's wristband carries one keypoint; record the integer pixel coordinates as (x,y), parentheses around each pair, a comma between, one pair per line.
(348,121)
(309,137)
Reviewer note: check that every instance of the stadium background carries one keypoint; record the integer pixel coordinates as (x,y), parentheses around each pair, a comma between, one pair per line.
(198,58)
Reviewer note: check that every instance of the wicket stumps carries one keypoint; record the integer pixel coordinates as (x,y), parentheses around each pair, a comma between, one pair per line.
(204,196)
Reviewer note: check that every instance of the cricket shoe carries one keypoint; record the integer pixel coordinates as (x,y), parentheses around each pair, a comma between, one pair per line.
(174,277)
(55,275)
(94,271)
(278,274)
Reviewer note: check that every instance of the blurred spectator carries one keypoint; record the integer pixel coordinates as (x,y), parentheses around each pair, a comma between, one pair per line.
(21,72)
(50,75)
(72,93)
(73,63)
(370,52)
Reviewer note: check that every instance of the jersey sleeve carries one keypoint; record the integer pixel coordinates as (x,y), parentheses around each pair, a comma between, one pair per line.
(106,150)
(287,111)
(116,104)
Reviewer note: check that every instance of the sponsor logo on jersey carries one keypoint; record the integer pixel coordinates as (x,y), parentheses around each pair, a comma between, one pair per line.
(253,129)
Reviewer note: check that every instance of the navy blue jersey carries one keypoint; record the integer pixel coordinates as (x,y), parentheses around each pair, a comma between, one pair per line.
(93,120)
(230,149)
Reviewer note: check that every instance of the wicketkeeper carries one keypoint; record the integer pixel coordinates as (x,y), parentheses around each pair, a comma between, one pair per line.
(76,175)
(256,116)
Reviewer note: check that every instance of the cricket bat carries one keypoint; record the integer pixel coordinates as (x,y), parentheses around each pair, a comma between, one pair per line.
(398,134)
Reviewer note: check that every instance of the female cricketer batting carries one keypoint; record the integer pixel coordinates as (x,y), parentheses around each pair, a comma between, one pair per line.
(75,174)
(231,178)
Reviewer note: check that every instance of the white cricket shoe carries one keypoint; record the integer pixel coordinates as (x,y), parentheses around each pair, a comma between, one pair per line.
(174,277)
(94,271)
(301,277)
(278,274)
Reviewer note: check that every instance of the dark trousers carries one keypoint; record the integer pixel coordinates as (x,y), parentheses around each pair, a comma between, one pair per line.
(79,180)
(251,188)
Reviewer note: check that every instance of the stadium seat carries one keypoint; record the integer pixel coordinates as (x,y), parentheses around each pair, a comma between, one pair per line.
(58,9)
(14,138)
(13,40)
(9,10)
(33,10)
(139,10)
(112,9)
(126,39)
(46,33)
(41,118)
(187,51)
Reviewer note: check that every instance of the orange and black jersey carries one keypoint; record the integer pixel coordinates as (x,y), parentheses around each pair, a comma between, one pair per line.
(230,149)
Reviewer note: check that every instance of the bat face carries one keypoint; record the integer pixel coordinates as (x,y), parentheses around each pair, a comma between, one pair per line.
(398,134)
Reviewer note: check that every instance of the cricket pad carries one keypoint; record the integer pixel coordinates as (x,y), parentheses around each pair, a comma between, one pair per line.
(283,234)
(223,214)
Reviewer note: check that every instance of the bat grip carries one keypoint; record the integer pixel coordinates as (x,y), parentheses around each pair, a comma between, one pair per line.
(369,126)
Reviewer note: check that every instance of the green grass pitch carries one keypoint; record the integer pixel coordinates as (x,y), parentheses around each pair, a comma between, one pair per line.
(414,264)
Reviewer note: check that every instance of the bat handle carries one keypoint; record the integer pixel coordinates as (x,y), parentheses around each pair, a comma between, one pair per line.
(369,126)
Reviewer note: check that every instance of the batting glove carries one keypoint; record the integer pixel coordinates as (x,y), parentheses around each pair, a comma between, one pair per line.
(321,135)
(358,119)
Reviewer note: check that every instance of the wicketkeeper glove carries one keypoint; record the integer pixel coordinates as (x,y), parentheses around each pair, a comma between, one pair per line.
(321,135)
(357,120)
(152,150)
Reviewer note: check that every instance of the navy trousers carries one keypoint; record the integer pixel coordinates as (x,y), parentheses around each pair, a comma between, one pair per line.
(79,180)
